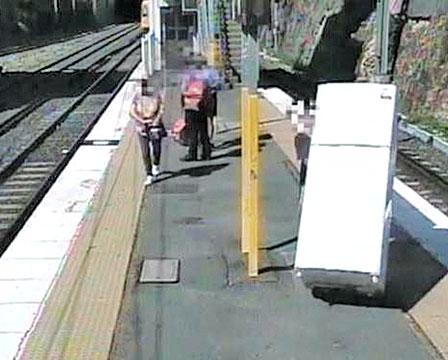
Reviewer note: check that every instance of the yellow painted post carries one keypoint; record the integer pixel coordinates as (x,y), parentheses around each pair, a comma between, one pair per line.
(218,62)
(253,186)
(213,54)
(245,170)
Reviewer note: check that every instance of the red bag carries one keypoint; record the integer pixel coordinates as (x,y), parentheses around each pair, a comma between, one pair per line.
(179,132)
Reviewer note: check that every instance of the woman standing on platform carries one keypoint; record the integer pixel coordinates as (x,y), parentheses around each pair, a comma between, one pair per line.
(147,111)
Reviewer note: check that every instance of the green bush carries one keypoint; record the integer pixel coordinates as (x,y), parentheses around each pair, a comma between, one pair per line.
(430,123)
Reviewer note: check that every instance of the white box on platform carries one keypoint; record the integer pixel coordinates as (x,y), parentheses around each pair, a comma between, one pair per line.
(345,218)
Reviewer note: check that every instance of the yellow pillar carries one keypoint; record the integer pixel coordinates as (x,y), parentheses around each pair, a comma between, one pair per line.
(253,186)
(210,54)
(245,170)
(213,54)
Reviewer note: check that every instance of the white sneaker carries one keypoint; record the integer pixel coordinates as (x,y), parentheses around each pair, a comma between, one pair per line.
(155,170)
(149,180)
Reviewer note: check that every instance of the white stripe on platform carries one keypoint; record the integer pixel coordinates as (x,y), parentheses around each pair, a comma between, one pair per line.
(438,218)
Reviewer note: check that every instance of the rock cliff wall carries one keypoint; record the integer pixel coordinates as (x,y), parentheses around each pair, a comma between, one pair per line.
(333,40)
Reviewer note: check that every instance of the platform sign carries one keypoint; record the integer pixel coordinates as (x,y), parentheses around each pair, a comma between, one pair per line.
(190,5)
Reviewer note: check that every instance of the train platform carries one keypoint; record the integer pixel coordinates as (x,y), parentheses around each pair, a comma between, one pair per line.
(215,311)
(94,231)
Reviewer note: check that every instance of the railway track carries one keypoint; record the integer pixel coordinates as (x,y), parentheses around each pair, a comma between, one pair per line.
(40,42)
(421,172)
(97,42)
(30,164)
(82,60)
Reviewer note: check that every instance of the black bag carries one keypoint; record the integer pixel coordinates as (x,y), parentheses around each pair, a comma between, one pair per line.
(156,132)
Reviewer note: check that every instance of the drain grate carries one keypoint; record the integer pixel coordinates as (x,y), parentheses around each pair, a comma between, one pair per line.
(174,188)
(160,271)
(189,220)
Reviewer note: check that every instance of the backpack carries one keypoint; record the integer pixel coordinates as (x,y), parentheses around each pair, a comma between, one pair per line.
(195,96)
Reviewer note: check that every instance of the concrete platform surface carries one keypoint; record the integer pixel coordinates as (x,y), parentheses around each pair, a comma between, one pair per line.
(215,311)
(418,264)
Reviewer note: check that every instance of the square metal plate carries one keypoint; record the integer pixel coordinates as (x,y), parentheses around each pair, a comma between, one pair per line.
(160,271)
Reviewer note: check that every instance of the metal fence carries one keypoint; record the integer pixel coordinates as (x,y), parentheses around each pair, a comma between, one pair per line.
(427,8)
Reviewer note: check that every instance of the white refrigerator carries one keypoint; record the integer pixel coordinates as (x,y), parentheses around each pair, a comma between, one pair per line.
(346,210)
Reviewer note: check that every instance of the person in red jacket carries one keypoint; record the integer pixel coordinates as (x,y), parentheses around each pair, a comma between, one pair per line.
(194,101)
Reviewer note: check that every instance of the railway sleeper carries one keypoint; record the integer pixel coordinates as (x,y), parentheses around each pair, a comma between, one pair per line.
(36,170)
(13,199)
(26,177)
(11,208)
(7,217)
(16,191)
(20,183)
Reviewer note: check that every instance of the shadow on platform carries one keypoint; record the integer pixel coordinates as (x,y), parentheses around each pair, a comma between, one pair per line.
(412,273)
(196,171)
(263,138)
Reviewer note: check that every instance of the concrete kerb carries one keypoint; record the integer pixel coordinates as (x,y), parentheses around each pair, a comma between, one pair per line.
(429,314)
(422,135)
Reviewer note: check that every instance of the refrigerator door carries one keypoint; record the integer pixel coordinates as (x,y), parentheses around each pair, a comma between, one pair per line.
(344,209)
(355,114)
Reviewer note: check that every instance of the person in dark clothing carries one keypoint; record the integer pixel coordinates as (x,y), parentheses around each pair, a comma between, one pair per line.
(198,130)
(194,101)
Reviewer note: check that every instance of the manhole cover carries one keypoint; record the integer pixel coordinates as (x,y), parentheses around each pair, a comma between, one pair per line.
(160,271)
(174,188)
(189,220)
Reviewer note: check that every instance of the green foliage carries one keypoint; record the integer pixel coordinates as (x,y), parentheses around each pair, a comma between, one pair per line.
(430,123)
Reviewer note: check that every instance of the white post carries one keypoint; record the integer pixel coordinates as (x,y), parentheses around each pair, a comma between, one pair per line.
(275,30)
(147,55)
(200,31)
(195,45)
(56,6)
(382,40)
(95,8)
(158,36)
(144,55)
(151,21)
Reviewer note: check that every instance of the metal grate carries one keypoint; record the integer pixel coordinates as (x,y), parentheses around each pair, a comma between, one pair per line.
(160,271)
(189,220)
(174,188)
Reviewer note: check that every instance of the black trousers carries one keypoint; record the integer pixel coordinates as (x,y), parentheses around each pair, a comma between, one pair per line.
(197,126)
(146,144)
(213,111)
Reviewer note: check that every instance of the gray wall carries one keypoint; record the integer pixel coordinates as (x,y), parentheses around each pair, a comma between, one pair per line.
(28,19)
